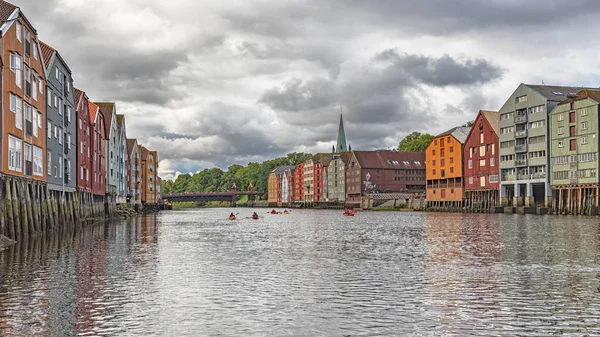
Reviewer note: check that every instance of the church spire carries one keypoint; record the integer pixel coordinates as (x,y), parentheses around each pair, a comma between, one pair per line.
(341,139)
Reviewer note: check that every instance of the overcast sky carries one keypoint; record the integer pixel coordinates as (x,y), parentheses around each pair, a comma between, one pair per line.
(213,83)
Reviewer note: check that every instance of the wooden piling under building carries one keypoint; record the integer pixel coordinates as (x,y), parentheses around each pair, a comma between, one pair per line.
(576,199)
(28,208)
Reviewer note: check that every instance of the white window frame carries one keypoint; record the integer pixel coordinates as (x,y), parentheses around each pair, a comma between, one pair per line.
(68,140)
(584,125)
(34,47)
(561,117)
(34,89)
(19,113)
(49,162)
(15,154)
(38,161)
(561,144)
(584,140)
(19,31)
(16,65)
(34,122)
(49,96)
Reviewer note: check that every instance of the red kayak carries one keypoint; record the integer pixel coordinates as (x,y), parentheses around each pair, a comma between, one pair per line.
(349,213)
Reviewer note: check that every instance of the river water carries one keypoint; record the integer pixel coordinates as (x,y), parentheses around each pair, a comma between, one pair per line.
(310,273)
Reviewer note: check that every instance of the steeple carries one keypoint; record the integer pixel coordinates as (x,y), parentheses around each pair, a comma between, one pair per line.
(341,139)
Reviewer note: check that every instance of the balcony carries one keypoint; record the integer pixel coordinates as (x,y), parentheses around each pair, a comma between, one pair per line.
(523,176)
(521,134)
(521,148)
(520,119)
(520,162)
(538,175)
(509,178)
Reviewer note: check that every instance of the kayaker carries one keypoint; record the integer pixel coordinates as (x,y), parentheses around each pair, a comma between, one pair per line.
(231,216)
(254,216)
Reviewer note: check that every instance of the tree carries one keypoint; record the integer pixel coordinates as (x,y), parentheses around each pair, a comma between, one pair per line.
(415,142)
(469,124)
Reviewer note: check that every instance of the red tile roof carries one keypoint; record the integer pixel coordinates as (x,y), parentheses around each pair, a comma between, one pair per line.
(386,159)
(93,110)
(6,9)
(47,52)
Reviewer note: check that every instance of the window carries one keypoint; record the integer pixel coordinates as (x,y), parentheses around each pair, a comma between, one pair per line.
(49,162)
(470,180)
(56,72)
(482,150)
(35,51)
(69,141)
(81,175)
(584,125)
(442,162)
(557,93)
(16,65)
(522,99)
(69,114)
(584,140)
(15,154)
(34,82)
(37,161)
(27,76)
(573,144)
(433,162)
(470,163)
(452,170)
(481,137)
(49,96)
(79,123)
(68,168)
(482,181)
(561,144)
(55,101)
(60,166)
(19,113)
(583,112)
(492,161)
(434,171)
(40,85)
(537,124)
(18,30)
(538,108)
(493,149)
(60,106)
(482,162)
(561,117)
(27,42)
(34,125)
(561,130)
(60,136)
(451,149)
(451,160)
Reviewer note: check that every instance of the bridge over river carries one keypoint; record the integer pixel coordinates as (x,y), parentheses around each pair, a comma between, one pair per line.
(210,196)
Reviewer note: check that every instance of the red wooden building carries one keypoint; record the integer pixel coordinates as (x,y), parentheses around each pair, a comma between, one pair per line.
(481,167)
(98,150)
(84,151)
(384,172)
(299,183)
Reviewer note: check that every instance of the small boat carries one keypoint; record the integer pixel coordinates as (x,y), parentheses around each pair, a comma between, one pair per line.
(286,212)
(349,214)
(232,218)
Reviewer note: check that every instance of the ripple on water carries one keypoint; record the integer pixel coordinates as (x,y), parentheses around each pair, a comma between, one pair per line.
(311,273)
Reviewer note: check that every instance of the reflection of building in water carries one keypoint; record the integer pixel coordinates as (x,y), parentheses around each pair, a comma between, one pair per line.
(461,253)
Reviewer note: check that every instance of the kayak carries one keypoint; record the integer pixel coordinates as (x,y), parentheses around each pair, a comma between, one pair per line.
(349,213)
(286,212)
(231,218)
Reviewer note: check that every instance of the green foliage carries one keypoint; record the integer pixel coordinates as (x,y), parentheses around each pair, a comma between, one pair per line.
(184,205)
(469,124)
(415,142)
(215,179)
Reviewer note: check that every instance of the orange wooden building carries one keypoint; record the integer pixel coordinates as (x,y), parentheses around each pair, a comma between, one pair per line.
(444,172)
(23,96)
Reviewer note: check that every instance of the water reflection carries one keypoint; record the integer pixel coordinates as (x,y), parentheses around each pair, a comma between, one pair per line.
(312,273)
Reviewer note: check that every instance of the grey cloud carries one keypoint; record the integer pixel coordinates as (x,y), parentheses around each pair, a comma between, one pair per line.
(297,95)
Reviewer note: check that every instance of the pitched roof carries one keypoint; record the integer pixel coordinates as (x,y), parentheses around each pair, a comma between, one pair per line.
(326,161)
(282,169)
(47,52)
(493,118)
(120,120)
(144,152)
(106,108)
(6,9)
(341,139)
(583,94)
(387,159)
(555,93)
(93,110)
(131,144)
(459,132)
(78,94)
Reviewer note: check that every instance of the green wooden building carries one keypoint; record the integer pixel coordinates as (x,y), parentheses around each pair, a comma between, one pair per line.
(574,152)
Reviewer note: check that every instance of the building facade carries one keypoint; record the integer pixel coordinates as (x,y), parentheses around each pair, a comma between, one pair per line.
(287,186)
(98,150)
(83,141)
(60,109)
(308,180)
(574,146)
(523,139)
(272,187)
(384,171)
(24,97)
(134,175)
(122,161)
(299,183)
(444,155)
(336,179)
(481,167)
(108,111)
